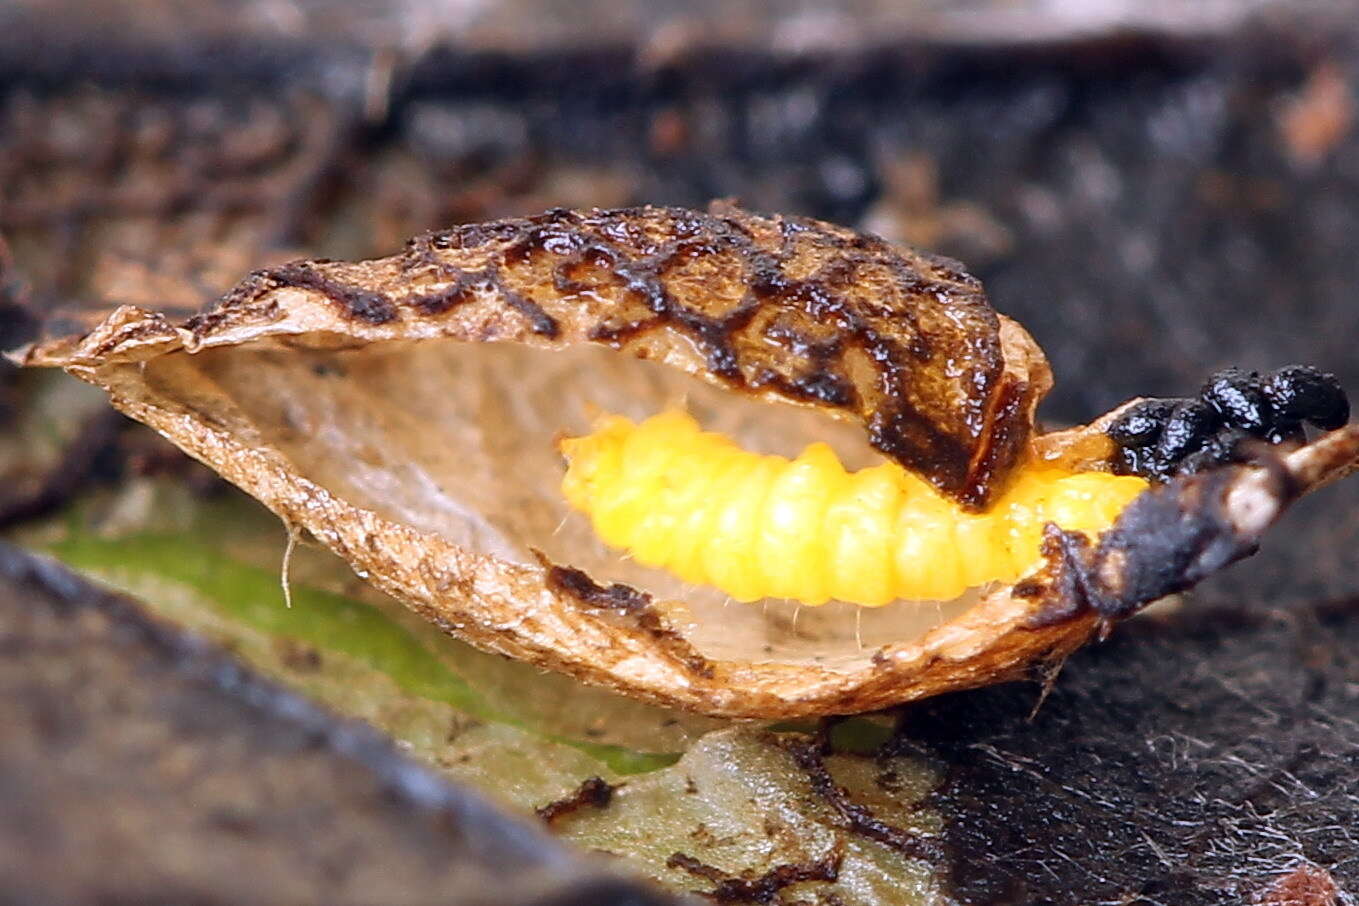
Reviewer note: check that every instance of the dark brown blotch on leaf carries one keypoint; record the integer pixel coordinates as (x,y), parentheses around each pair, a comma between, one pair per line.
(942,383)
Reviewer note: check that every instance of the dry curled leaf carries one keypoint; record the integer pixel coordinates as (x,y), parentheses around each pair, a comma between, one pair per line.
(402,412)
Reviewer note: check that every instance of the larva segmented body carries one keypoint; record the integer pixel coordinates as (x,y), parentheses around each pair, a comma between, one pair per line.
(755,526)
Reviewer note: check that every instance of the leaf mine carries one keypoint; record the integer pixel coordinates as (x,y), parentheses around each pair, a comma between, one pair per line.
(404,412)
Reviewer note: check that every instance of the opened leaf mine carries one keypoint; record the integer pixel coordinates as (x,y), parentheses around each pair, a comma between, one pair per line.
(405,413)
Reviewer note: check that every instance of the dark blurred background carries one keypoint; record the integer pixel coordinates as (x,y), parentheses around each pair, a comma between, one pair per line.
(1155,190)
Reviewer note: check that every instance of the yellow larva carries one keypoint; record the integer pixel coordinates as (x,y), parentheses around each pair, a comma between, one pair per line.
(694,503)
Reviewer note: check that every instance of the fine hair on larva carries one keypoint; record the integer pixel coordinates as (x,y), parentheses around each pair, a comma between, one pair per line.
(758,527)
